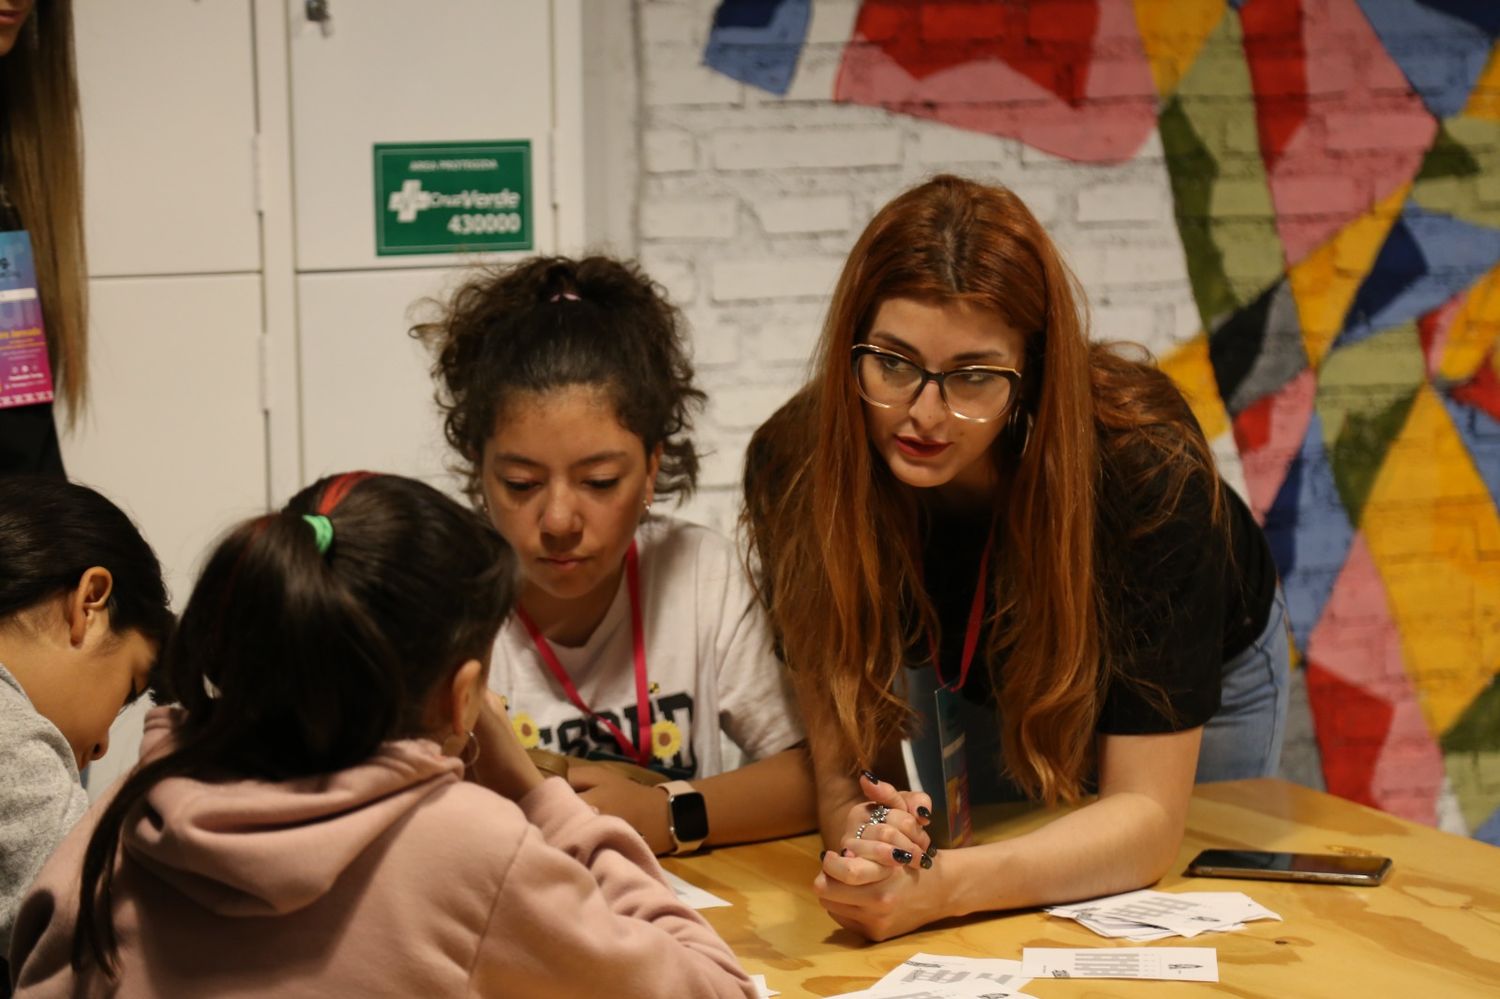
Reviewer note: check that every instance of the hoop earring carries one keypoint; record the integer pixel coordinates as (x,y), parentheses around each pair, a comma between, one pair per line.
(471,759)
(1025,432)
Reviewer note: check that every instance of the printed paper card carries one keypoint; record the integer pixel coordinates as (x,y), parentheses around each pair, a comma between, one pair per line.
(25,372)
(984,976)
(1182,964)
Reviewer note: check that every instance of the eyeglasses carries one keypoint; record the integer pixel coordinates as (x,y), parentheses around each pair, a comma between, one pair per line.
(976,392)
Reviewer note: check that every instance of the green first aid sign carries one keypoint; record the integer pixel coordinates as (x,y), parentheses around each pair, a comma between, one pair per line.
(452,197)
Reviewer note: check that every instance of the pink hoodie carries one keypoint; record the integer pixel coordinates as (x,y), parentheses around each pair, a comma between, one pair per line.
(394,877)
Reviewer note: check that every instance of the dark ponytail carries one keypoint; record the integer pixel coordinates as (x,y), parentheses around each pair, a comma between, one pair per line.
(52,531)
(550,322)
(291,661)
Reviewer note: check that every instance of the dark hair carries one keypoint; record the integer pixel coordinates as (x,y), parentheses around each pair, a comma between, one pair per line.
(52,531)
(550,322)
(290,662)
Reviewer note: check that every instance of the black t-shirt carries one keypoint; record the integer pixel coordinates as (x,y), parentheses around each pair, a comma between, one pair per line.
(1192,602)
(28,441)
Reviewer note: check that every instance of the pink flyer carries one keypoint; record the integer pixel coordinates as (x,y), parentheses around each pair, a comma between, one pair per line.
(25,374)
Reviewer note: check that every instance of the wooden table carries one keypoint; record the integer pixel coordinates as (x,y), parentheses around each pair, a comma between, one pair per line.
(1432,931)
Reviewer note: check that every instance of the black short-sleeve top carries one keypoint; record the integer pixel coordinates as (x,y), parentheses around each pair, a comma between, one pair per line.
(1191,595)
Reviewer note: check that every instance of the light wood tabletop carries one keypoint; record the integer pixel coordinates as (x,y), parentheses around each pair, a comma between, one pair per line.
(1432,930)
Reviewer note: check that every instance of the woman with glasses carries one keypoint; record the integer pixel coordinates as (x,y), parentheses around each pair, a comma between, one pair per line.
(998,557)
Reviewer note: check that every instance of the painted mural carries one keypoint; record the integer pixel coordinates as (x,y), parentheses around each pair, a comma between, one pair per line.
(1335,176)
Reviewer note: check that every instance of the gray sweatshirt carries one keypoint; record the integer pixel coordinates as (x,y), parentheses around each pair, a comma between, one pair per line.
(41,797)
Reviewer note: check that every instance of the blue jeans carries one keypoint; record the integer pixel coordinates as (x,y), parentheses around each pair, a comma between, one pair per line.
(1243,738)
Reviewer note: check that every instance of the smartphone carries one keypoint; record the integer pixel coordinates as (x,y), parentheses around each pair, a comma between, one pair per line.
(1328,868)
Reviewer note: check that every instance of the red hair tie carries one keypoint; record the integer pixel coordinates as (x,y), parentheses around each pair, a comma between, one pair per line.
(340,487)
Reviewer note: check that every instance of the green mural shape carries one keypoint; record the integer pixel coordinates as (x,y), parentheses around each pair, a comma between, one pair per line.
(1365,393)
(1219,190)
(1192,171)
(1461,175)
(1478,728)
(1472,776)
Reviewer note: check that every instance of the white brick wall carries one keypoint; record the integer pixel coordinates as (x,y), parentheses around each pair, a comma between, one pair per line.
(749,202)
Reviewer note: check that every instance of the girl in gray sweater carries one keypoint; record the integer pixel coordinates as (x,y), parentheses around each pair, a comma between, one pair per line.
(83,613)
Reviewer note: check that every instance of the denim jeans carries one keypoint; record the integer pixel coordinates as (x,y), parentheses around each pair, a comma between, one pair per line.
(1243,738)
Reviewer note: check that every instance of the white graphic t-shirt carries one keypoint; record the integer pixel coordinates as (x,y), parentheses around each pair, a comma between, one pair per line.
(708,659)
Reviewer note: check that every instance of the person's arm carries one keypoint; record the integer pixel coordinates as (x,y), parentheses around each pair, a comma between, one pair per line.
(766,799)
(41,802)
(1126,839)
(585,902)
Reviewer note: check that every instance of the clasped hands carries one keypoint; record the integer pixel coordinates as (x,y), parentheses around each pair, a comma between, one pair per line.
(885,880)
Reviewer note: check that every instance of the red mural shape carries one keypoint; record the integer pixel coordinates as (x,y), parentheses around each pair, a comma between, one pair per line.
(1269,436)
(1483,390)
(1432,330)
(1278,72)
(1351,727)
(1375,742)
(1340,127)
(1066,76)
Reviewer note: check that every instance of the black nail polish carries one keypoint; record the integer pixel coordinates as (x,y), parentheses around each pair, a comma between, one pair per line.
(823,855)
(870,777)
(902,856)
(931,851)
(926,862)
(924,812)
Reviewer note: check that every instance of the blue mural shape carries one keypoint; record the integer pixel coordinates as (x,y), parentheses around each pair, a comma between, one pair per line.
(1480,433)
(1309,533)
(1441,47)
(758,41)
(1426,260)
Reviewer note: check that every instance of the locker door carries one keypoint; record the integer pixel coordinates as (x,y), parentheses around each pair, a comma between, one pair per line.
(175,430)
(383,72)
(168,95)
(390,71)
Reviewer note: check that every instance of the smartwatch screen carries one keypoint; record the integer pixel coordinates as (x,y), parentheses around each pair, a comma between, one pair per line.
(689,817)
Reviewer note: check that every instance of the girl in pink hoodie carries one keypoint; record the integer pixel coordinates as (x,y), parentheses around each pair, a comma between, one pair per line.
(337,807)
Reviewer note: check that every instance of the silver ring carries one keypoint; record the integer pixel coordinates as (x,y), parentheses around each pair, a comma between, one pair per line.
(860,832)
(879,814)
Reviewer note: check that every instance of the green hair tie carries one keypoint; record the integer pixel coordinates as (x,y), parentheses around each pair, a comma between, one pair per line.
(322,531)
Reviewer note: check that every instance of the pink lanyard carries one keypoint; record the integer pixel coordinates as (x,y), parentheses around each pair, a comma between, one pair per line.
(971,630)
(641,754)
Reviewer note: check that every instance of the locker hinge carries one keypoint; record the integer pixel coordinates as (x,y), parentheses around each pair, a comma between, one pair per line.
(263,362)
(258,172)
(552,166)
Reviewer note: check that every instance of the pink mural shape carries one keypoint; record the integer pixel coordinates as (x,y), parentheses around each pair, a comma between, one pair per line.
(1068,77)
(1269,436)
(1433,330)
(1358,133)
(1356,642)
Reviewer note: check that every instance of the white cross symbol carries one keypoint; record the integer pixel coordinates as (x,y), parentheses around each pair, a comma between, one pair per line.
(408,201)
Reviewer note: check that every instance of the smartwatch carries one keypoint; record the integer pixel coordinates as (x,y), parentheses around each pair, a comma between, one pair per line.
(688,824)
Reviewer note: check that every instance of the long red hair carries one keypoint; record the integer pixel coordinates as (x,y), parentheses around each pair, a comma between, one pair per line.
(835,536)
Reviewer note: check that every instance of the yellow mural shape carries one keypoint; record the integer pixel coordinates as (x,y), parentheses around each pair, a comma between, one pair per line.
(1484,99)
(1434,533)
(1190,367)
(1325,282)
(1173,33)
(1474,331)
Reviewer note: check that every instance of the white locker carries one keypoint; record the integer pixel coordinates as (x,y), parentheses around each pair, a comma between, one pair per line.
(174,432)
(369,404)
(168,95)
(390,71)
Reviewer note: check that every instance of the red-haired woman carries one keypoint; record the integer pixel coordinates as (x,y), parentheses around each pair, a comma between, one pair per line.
(973,521)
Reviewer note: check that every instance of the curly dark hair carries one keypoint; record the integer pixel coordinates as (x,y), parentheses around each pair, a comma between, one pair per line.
(550,322)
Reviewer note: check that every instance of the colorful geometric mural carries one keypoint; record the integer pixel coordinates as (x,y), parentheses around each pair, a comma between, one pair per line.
(1335,178)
